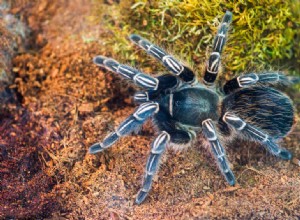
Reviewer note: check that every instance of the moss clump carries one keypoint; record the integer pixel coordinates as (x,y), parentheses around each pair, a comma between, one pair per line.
(265,34)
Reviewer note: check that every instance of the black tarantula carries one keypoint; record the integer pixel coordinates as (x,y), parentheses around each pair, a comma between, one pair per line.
(246,107)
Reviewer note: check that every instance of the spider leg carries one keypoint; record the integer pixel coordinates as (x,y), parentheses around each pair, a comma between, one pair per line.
(256,134)
(139,78)
(167,82)
(132,123)
(252,79)
(210,133)
(166,59)
(141,97)
(158,147)
(214,60)
(145,96)
(169,134)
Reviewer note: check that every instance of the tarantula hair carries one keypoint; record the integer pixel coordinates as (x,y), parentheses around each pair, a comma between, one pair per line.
(246,107)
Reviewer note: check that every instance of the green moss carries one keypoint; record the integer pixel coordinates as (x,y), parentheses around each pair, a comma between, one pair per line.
(264,35)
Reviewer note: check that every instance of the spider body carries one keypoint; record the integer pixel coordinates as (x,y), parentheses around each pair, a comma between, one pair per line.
(199,102)
(247,107)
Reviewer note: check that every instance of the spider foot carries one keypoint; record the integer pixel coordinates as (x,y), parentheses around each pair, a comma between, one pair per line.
(277,151)
(95,148)
(225,169)
(141,196)
(285,154)
(108,141)
(230,177)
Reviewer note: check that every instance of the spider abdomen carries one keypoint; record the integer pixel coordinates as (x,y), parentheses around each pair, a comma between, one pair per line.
(191,106)
(266,108)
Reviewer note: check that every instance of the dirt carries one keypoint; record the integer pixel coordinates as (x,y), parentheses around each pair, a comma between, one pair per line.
(65,104)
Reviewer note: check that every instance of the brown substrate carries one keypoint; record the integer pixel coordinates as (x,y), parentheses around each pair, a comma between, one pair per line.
(68,104)
(25,187)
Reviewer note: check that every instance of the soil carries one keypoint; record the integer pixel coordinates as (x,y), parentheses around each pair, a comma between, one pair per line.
(64,103)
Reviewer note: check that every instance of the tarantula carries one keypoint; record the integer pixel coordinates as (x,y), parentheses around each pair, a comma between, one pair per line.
(246,107)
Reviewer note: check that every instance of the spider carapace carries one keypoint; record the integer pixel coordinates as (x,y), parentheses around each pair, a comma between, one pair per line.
(246,107)
(191,106)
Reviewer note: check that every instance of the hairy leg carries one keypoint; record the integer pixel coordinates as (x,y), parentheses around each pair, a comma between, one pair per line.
(166,59)
(157,149)
(214,60)
(252,79)
(256,134)
(141,79)
(133,122)
(218,151)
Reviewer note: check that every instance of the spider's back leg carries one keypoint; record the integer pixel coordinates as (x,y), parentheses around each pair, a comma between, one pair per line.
(256,134)
(253,79)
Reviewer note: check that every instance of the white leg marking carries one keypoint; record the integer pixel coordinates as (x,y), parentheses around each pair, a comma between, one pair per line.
(146,82)
(153,49)
(150,165)
(258,133)
(171,104)
(222,35)
(103,146)
(229,116)
(221,39)
(113,68)
(142,96)
(164,136)
(246,81)
(158,50)
(124,126)
(144,108)
(174,65)
(214,64)
(211,129)
(124,69)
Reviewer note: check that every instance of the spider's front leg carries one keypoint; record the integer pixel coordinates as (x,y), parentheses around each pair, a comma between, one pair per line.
(166,59)
(141,79)
(214,60)
(218,151)
(132,123)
